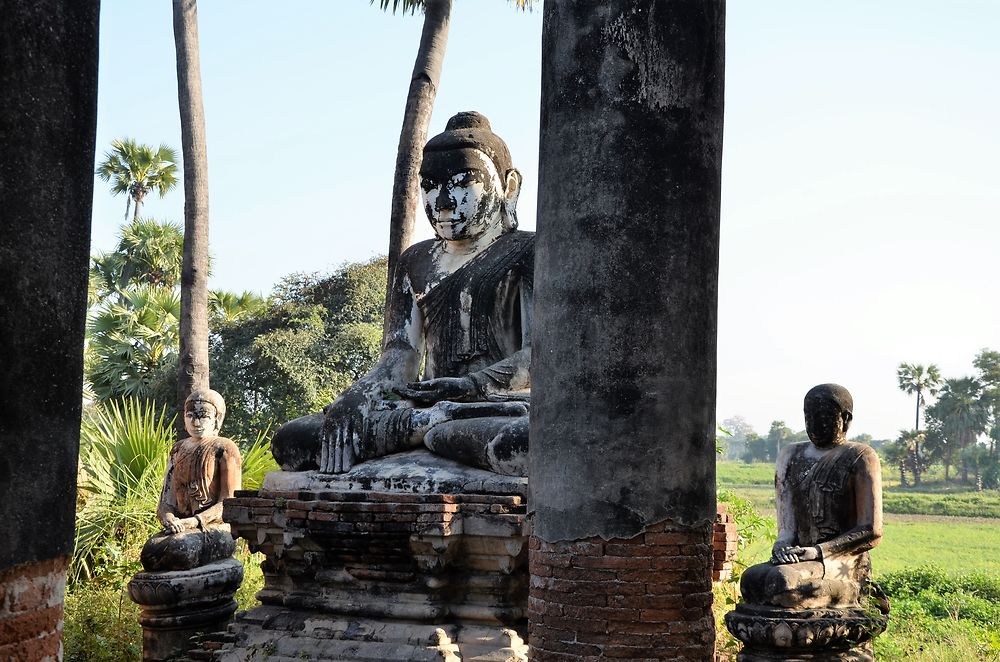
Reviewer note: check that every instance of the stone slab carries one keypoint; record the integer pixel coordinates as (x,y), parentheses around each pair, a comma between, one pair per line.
(281,634)
(416,472)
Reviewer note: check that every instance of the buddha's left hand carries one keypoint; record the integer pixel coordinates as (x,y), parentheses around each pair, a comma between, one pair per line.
(176,525)
(442,388)
(794,555)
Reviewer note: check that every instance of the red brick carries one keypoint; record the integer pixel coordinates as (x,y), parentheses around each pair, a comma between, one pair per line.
(576,547)
(660,615)
(667,538)
(30,624)
(623,562)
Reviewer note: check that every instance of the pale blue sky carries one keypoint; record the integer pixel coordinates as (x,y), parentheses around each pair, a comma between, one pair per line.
(860,198)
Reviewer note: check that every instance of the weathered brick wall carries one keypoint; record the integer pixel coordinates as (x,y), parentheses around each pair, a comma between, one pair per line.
(417,556)
(31,611)
(724,543)
(642,598)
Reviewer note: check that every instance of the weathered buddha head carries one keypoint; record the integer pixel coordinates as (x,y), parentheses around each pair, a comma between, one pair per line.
(203,413)
(469,183)
(829,409)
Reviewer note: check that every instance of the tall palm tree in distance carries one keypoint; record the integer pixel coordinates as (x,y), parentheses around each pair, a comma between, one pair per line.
(136,170)
(914,378)
(962,413)
(193,359)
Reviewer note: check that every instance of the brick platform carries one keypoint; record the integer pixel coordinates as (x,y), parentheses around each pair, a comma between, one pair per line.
(365,575)
(644,598)
(31,611)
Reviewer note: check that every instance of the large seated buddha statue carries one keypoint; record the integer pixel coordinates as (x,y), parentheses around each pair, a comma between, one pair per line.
(454,374)
(816,590)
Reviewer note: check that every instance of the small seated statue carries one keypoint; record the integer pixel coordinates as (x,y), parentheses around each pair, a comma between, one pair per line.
(203,470)
(460,309)
(829,511)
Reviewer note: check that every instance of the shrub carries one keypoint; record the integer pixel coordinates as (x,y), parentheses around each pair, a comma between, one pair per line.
(123,456)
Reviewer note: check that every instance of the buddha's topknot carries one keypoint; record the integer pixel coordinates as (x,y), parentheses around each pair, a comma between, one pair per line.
(470,129)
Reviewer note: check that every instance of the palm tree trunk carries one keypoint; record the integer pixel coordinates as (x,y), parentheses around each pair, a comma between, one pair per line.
(902,472)
(137,199)
(416,119)
(193,371)
(916,466)
(916,425)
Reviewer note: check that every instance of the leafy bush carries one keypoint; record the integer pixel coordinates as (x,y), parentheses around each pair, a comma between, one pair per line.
(257,461)
(750,524)
(101,624)
(960,614)
(123,455)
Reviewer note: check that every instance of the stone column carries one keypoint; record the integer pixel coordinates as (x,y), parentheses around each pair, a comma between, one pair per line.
(622,459)
(48,121)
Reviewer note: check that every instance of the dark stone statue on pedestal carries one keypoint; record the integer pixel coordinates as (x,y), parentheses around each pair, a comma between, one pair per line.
(396,528)
(460,311)
(189,576)
(814,600)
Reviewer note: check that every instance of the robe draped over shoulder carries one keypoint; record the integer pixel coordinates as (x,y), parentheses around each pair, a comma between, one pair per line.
(474,318)
(193,467)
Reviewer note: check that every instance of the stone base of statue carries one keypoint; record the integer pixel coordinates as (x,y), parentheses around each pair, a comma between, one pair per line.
(408,557)
(180,604)
(827,635)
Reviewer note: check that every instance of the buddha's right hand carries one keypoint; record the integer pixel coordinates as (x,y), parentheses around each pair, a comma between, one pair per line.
(340,448)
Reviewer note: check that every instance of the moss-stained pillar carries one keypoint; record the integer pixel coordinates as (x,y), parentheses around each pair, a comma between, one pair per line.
(622,459)
(48,121)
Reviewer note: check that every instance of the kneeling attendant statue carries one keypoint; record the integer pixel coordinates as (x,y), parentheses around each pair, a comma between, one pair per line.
(814,600)
(189,576)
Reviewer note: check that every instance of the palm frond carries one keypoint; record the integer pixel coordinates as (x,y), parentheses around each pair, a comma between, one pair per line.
(258,460)
(123,456)
(406,5)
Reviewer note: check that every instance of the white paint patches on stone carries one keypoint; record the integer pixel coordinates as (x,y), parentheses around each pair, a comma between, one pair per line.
(28,589)
(22,593)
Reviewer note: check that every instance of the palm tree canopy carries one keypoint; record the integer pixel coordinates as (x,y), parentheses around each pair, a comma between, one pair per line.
(960,408)
(915,378)
(136,169)
(151,252)
(413,5)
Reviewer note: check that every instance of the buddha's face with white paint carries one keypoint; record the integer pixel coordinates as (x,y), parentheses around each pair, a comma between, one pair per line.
(462,193)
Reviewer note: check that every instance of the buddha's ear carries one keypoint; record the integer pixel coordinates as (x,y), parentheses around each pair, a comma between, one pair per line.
(512,185)
(848,417)
(512,189)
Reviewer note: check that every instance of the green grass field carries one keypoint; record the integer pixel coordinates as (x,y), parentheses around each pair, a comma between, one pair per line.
(935,497)
(956,544)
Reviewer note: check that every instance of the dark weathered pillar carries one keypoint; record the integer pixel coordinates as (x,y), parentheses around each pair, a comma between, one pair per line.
(48,120)
(622,464)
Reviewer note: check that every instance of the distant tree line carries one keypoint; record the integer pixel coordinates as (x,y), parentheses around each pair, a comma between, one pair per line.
(961,427)
(959,434)
(741,442)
